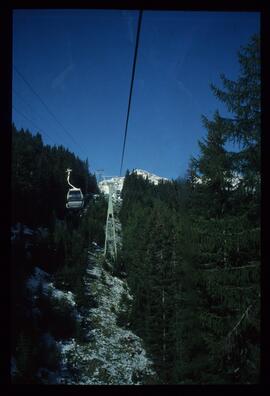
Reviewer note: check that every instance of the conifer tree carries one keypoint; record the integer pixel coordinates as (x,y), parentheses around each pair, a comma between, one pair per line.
(206,279)
(243,100)
(229,238)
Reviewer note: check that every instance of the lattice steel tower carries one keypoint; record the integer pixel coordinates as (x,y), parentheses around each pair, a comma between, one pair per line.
(110,240)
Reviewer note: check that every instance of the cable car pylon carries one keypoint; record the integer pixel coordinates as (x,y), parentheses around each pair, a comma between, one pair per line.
(110,238)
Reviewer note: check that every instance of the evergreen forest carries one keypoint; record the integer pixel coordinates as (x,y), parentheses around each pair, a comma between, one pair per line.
(57,243)
(190,250)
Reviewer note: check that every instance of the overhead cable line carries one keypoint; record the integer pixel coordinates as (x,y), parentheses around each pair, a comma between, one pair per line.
(29,119)
(24,101)
(131,87)
(45,105)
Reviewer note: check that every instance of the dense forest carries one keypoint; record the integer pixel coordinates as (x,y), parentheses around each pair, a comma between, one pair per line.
(190,247)
(39,183)
(49,237)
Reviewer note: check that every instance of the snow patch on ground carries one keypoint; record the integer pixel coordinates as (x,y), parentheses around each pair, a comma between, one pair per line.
(109,354)
(40,279)
(19,229)
(114,356)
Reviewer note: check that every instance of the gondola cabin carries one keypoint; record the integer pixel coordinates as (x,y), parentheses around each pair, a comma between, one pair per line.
(75,199)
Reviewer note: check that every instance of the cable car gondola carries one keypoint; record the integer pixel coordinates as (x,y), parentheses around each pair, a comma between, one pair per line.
(75,199)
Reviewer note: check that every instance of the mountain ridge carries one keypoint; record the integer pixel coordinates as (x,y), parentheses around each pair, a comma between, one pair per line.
(118,181)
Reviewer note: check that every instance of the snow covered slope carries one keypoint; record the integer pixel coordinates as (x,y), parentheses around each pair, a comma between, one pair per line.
(150,176)
(113,355)
(109,353)
(117,182)
(42,278)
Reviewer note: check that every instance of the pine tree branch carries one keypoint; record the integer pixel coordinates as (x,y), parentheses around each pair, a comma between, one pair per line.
(215,316)
(239,287)
(232,268)
(208,264)
(229,119)
(240,320)
(244,231)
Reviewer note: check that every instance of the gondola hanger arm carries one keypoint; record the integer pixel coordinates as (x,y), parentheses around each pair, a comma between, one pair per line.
(68,172)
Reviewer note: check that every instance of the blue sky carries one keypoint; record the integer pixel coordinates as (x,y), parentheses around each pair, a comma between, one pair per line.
(80,63)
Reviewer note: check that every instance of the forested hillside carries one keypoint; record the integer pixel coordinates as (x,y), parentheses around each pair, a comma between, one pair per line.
(184,290)
(192,248)
(69,310)
(46,236)
(39,185)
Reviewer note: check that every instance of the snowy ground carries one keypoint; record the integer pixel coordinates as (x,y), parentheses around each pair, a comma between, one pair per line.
(113,356)
(19,230)
(41,278)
